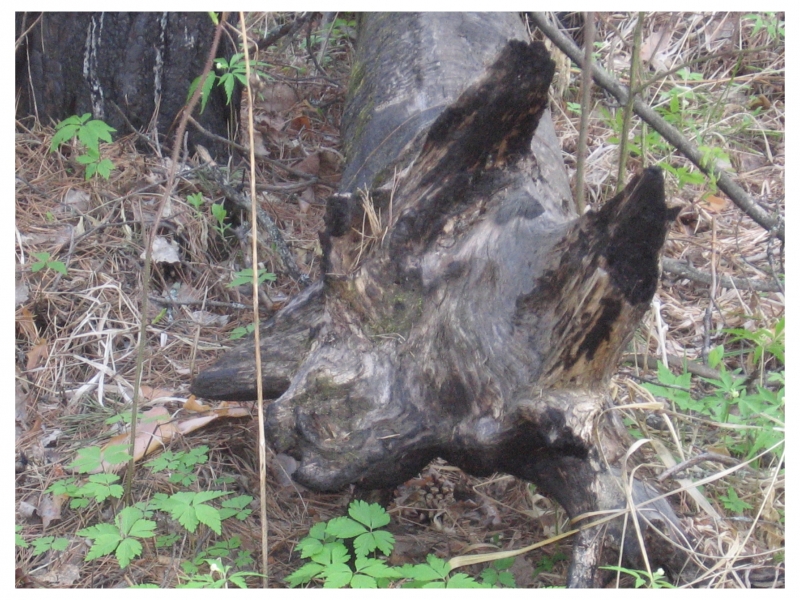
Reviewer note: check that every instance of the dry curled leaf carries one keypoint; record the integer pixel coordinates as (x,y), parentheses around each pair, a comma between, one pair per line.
(37,355)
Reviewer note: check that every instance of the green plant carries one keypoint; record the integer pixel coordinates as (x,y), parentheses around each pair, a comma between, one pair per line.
(195,200)
(498,575)
(765,341)
(89,133)
(217,565)
(729,401)
(220,214)
(94,458)
(774,26)
(226,74)
(548,563)
(190,509)
(19,541)
(329,544)
(100,487)
(181,464)
(49,542)
(43,261)
(227,549)
(121,538)
(656,580)
(218,576)
(240,332)
(245,276)
(733,503)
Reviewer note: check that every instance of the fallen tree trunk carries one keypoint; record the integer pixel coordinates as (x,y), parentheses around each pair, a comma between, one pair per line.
(465,312)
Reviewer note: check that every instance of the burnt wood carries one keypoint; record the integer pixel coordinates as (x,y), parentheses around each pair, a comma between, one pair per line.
(484,319)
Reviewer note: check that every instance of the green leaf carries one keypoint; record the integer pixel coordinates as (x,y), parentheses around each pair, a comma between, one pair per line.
(317,530)
(19,541)
(363,582)
(304,574)
(127,550)
(117,454)
(507,579)
(435,568)
(462,580)
(105,539)
(344,527)
(209,516)
(93,132)
(376,568)
(57,266)
(371,515)
(715,356)
(88,460)
(42,544)
(332,552)
(309,547)
(337,575)
(366,543)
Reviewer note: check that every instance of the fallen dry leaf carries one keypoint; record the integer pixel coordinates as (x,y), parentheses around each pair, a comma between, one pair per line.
(149,393)
(164,250)
(49,508)
(62,576)
(36,355)
(716,204)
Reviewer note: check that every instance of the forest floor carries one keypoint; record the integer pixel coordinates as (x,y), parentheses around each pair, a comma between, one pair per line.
(78,302)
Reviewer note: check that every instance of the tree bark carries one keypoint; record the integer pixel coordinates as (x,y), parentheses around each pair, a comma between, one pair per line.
(144,63)
(475,317)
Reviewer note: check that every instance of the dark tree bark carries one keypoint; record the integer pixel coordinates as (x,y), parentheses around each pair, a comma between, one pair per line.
(76,63)
(484,320)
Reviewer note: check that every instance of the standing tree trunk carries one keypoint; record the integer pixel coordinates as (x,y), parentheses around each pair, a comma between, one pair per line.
(469,314)
(144,63)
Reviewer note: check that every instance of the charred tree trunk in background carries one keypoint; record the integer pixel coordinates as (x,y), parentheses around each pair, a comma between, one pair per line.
(76,63)
(482,320)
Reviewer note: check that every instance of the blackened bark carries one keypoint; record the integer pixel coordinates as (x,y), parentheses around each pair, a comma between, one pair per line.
(485,319)
(76,63)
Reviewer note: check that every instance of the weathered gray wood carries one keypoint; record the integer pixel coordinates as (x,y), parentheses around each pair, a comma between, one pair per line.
(484,322)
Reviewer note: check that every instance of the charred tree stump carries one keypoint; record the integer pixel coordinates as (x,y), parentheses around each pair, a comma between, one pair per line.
(77,63)
(474,317)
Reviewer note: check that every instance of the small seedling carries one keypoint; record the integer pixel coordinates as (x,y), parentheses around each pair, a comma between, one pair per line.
(43,544)
(120,538)
(181,464)
(92,458)
(195,200)
(642,578)
(245,276)
(733,503)
(498,575)
(220,214)
(240,332)
(43,261)
(226,74)
(191,508)
(218,576)
(19,541)
(89,133)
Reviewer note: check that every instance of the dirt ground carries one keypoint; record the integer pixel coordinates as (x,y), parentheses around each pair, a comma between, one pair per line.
(76,330)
